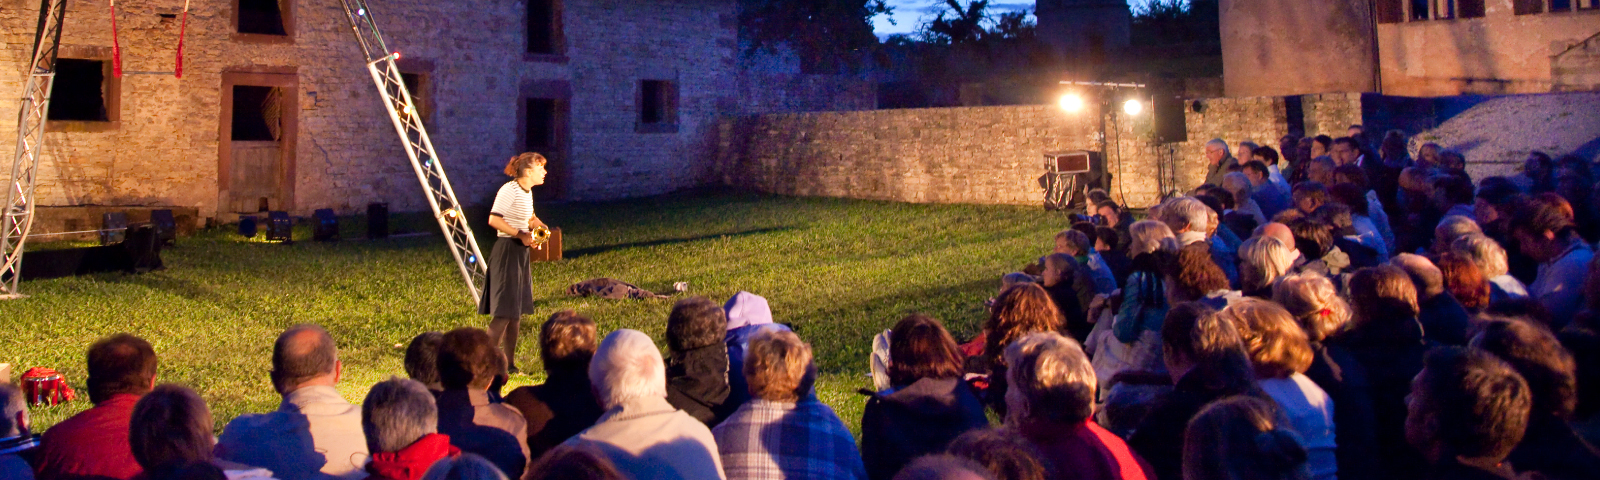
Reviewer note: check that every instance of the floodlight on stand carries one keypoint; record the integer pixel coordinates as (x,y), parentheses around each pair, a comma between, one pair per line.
(1071,103)
(1133,107)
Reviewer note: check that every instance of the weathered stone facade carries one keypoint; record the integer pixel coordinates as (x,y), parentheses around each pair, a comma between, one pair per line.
(1295,47)
(165,138)
(1501,52)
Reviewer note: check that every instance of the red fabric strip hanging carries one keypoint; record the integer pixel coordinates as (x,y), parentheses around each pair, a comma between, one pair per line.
(116,51)
(183,26)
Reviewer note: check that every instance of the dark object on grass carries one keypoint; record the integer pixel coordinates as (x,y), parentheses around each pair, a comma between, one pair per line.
(326,228)
(139,253)
(280,227)
(611,288)
(247,226)
(166,226)
(377,221)
(113,227)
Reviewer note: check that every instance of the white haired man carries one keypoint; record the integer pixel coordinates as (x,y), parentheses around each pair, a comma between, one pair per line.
(15,441)
(643,435)
(1220,161)
(314,430)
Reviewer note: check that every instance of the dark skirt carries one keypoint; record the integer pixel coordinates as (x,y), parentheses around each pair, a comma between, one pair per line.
(508,288)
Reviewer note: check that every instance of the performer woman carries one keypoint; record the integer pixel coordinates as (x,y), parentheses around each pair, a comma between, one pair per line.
(508,289)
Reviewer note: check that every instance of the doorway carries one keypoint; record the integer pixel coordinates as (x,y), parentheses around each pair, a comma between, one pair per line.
(256,151)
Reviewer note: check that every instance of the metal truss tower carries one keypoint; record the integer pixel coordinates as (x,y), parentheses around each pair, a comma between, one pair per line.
(17,218)
(408,124)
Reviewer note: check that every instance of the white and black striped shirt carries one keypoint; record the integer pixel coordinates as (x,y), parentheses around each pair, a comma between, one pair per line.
(513,204)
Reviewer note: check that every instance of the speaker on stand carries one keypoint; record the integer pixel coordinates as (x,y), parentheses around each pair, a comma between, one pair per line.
(1060,180)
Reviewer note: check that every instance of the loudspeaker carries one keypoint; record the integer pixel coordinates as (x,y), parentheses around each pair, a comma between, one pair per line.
(552,248)
(326,228)
(280,227)
(166,226)
(247,226)
(1067,162)
(1171,126)
(113,227)
(377,221)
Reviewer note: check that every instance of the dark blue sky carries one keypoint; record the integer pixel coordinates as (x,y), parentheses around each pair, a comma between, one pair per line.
(911,14)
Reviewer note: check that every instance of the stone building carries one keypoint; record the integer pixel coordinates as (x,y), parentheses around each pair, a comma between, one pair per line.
(1427,48)
(1085,27)
(275,109)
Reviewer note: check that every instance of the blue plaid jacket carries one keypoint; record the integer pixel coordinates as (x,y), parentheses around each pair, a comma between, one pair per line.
(770,440)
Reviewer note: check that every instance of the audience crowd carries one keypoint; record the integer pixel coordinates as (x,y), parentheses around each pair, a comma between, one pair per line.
(1323,309)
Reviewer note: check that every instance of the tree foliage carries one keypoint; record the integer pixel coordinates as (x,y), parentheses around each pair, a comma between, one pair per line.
(1170,22)
(829,36)
(973,23)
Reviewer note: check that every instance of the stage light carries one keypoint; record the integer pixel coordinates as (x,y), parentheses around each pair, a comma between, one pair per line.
(451,214)
(361,12)
(1132,107)
(1072,103)
(397,55)
(326,228)
(280,228)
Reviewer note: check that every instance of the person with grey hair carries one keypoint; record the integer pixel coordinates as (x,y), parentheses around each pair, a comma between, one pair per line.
(1262,260)
(1451,228)
(400,423)
(1220,160)
(15,440)
(1051,404)
(171,430)
(1239,185)
(465,467)
(1492,262)
(1443,318)
(1187,217)
(640,433)
(314,429)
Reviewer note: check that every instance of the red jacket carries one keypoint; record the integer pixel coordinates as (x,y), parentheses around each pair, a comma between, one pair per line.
(1092,452)
(93,443)
(412,462)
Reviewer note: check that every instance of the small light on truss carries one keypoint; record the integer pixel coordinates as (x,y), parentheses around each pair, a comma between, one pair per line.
(361,12)
(472,259)
(427,164)
(412,111)
(451,213)
(1071,103)
(396,55)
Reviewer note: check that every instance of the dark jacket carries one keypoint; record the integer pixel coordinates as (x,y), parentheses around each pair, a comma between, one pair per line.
(1120,265)
(697,383)
(479,426)
(1159,438)
(1361,256)
(1391,351)
(916,420)
(556,410)
(1067,296)
(1339,374)
(1444,320)
(1552,449)
(1455,469)
(1242,224)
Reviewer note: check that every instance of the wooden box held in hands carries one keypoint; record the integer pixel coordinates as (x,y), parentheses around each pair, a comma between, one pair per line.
(552,248)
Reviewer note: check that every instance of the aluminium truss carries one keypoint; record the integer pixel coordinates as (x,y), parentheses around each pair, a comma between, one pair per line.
(414,137)
(17,218)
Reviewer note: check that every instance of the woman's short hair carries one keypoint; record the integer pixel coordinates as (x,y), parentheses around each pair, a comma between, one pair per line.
(1262,260)
(1463,280)
(1277,345)
(396,413)
(566,342)
(468,359)
(627,366)
(1002,452)
(1314,302)
(1538,356)
(1053,378)
(1453,227)
(1239,437)
(1193,273)
(1311,237)
(695,322)
(1065,265)
(1148,236)
(1019,310)
(573,463)
(1195,332)
(778,366)
(1078,240)
(523,161)
(467,466)
(1382,292)
(1238,185)
(920,347)
(170,426)
(1484,252)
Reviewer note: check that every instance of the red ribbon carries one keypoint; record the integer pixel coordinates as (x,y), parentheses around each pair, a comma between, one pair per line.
(181,28)
(116,50)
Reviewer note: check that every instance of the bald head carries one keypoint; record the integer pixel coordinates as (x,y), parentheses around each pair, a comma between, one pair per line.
(1424,274)
(1276,230)
(303,356)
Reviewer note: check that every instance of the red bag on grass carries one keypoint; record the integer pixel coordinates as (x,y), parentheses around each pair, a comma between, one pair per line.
(44,386)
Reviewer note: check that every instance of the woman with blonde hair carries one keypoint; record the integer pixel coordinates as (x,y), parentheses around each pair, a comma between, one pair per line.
(1315,304)
(1129,338)
(1281,354)
(1490,258)
(1262,260)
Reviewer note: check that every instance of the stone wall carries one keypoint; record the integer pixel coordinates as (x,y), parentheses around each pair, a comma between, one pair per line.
(163,145)
(1499,53)
(1294,47)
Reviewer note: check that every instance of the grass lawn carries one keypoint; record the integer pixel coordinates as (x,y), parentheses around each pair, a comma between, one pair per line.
(837,270)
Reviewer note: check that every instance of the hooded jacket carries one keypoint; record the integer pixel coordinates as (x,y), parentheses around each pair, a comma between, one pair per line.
(697,382)
(916,420)
(748,313)
(412,462)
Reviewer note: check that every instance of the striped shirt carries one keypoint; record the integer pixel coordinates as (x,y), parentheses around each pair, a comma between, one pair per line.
(513,204)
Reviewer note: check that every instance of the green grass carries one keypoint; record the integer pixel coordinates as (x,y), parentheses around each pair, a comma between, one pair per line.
(837,270)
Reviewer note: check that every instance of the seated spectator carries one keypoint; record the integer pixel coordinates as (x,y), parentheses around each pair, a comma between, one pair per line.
(1053,408)
(1315,304)
(464,467)
(570,463)
(641,434)
(697,365)
(1080,246)
(1187,218)
(1239,437)
(468,362)
(422,359)
(1262,261)
(1452,195)
(1131,390)
(928,404)
(171,428)
(1206,359)
(94,443)
(1490,259)
(1463,281)
(1111,247)
(1546,233)
(1362,251)
(1451,228)
(1468,410)
(1266,192)
(1443,318)
(1068,283)
(1386,338)
(1020,310)
(16,442)
(564,404)
(747,314)
(1428,155)
(1308,196)
(1550,447)
(1130,340)
(945,467)
(1367,231)
(1194,277)
(1319,170)
(1584,345)
(1114,217)
(1239,186)
(1321,145)
(400,420)
(1001,451)
(1280,353)
(314,429)
(784,431)
(1315,241)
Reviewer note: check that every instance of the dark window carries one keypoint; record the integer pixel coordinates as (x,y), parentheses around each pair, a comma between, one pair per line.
(1469,8)
(1527,7)
(79,91)
(540,135)
(1560,5)
(543,27)
(1391,11)
(417,84)
(257,114)
(261,16)
(658,103)
(1419,10)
